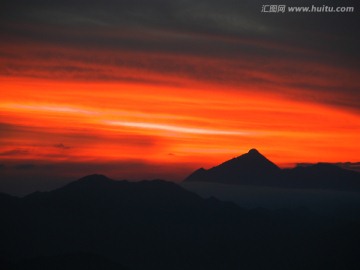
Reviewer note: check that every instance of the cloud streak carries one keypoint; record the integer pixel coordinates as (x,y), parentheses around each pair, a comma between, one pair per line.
(169,41)
(128,82)
(15,152)
(177,129)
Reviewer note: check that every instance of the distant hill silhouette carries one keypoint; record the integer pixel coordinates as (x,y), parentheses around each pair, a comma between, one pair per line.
(254,169)
(159,225)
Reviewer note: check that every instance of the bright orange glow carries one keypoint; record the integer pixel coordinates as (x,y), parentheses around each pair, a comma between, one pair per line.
(190,126)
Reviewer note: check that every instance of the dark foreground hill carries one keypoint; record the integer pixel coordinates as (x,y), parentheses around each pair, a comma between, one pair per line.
(106,224)
(253,169)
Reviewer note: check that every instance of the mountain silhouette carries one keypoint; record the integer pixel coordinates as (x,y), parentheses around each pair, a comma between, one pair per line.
(322,176)
(250,168)
(254,169)
(99,222)
(131,223)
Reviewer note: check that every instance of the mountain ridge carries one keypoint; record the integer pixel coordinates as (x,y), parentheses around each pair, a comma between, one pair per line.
(160,225)
(252,168)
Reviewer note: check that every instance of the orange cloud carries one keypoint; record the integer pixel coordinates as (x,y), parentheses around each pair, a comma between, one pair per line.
(157,124)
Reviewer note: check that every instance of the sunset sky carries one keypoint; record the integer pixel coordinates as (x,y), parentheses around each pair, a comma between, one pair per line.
(157,88)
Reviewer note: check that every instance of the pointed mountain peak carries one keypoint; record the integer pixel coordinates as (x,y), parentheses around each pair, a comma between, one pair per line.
(253,154)
(254,151)
(252,160)
(249,168)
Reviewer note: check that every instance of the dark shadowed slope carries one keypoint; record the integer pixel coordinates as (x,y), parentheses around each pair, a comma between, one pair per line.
(143,224)
(159,225)
(254,169)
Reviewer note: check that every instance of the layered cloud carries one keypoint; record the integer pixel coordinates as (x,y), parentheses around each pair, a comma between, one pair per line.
(313,57)
(174,85)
